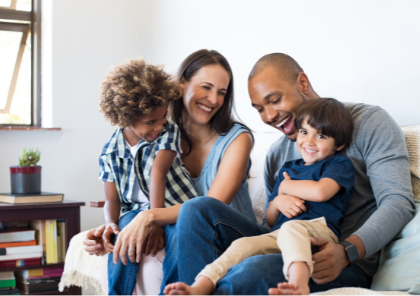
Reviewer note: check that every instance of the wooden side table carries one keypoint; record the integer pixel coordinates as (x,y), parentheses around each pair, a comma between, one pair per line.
(67,210)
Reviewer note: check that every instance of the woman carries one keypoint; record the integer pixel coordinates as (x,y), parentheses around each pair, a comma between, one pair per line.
(216,152)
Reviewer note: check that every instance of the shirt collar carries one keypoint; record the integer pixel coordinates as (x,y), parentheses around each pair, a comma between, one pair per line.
(116,143)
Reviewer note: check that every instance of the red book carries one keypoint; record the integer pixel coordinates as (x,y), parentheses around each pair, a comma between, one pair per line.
(46,276)
(45,273)
(20,262)
(18,244)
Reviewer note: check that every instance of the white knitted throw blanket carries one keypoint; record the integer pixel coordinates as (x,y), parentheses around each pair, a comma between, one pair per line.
(82,269)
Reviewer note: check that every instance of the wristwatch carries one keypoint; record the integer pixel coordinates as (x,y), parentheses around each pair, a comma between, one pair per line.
(351,251)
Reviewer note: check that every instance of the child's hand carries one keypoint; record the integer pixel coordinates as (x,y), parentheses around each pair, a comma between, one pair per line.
(286,178)
(289,205)
(93,242)
(110,229)
(154,241)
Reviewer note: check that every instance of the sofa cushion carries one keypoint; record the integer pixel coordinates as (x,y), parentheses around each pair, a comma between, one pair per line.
(399,268)
(412,139)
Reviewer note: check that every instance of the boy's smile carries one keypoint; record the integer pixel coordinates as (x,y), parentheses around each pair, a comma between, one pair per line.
(148,127)
(313,145)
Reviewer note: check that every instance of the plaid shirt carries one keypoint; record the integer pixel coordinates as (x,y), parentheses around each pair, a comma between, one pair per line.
(117,165)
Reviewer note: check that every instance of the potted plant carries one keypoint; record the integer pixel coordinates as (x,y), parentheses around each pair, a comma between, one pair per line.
(26,178)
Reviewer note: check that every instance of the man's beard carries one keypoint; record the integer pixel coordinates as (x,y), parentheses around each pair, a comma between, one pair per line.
(302,95)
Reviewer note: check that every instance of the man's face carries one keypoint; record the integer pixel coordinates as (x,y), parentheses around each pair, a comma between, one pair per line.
(277,100)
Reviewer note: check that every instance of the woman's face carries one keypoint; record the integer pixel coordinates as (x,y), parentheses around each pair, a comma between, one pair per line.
(204,94)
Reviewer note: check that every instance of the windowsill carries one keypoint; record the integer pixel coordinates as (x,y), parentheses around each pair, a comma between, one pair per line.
(28,128)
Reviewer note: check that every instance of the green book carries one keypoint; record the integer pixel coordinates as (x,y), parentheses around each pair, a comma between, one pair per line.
(7,283)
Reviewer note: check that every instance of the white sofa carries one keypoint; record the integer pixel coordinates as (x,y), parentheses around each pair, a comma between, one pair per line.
(392,277)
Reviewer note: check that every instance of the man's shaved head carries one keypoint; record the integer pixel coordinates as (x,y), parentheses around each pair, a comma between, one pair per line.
(285,65)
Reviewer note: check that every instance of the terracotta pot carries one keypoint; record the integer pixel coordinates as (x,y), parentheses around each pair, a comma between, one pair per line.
(25,180)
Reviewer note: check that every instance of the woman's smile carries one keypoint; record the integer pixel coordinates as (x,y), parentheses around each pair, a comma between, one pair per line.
(204,108)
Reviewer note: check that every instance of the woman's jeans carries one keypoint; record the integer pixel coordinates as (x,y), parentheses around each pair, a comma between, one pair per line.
(205,229)
(122,278)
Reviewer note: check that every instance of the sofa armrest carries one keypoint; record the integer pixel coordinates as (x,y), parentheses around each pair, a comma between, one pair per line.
(97,203)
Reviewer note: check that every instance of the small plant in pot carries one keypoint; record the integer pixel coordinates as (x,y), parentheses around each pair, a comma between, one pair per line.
(26,178)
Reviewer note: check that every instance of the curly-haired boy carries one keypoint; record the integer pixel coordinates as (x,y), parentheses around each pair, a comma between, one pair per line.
(142,160)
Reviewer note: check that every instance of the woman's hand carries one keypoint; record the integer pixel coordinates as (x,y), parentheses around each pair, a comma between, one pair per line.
(93,242)
(154,241)
(132,238)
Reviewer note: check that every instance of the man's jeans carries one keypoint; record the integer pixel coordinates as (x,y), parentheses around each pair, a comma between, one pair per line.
(122,278)
(205,229)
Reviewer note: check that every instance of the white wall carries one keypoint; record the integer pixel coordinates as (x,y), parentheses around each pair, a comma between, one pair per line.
(355,51)
(87,38)
(360,51)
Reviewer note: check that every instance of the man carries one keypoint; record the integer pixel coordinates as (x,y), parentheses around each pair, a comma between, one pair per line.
(380,206)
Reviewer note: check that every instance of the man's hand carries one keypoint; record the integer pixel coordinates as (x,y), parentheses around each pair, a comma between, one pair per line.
(154,241)
(93,242)
(289,205)
(329,261)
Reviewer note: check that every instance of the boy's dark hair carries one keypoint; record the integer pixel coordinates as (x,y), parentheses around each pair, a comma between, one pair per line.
(134,88)
(330,117)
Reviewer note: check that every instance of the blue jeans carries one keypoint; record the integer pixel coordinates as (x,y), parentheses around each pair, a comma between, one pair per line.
(205,229)
(255,275)
(122,278)
(201,235)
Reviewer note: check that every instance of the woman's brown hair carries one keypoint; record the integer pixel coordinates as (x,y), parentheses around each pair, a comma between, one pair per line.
(222,121)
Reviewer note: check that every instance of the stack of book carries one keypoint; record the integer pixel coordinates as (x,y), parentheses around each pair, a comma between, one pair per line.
(38,280)
(18,247)
(51,235)
(8,284)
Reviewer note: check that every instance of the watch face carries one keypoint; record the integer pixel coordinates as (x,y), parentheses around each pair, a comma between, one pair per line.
(352,253)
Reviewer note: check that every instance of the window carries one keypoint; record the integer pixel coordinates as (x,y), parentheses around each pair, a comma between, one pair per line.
(19,60)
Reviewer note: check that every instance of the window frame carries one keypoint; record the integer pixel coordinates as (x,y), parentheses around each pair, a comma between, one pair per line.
(34,17)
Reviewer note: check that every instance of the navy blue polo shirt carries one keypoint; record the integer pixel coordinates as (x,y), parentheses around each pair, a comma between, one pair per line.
(337,167)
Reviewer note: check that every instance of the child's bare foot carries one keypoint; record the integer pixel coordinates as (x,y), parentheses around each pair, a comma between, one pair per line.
(179,289)
(202,286)
(289,289)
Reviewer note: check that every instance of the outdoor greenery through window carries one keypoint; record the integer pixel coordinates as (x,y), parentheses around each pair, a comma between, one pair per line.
(16,63)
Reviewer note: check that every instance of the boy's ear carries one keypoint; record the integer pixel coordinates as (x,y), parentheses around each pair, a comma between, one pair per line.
(341,147)
(182,81)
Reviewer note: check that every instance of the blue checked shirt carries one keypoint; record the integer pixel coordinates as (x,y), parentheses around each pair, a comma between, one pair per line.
(117,165)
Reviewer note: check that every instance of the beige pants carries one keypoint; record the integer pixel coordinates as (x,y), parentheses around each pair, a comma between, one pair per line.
(292,240)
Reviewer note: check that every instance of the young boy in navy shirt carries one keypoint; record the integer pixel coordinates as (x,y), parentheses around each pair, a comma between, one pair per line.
(311,201)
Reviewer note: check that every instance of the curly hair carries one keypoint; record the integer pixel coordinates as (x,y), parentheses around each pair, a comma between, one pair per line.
(134,88)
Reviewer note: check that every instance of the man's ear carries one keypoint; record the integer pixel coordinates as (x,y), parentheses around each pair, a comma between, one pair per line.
(341,147)
(302,82)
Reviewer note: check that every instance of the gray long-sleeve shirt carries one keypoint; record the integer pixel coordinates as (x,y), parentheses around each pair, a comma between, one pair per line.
(382,200)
